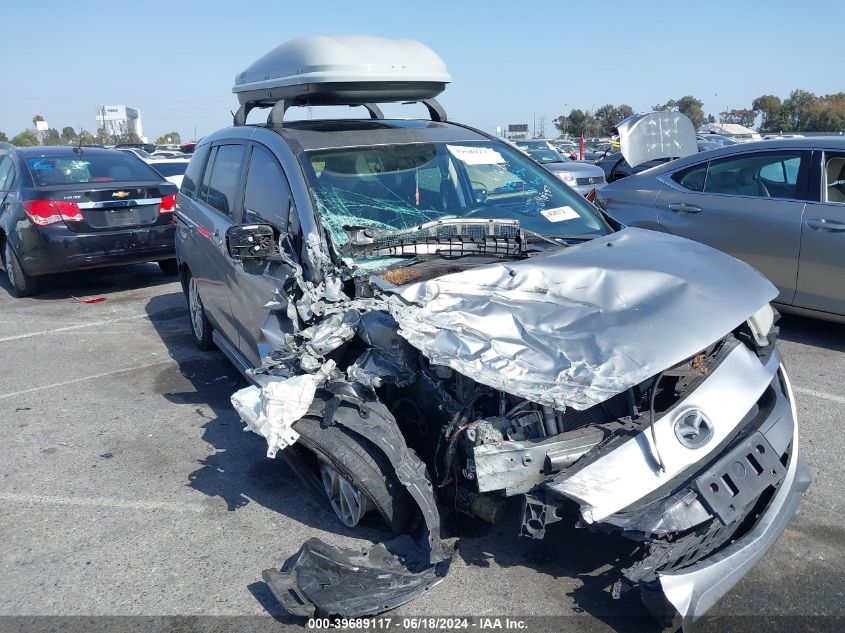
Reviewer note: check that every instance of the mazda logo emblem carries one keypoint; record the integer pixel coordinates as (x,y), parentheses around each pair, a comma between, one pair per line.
(693,429)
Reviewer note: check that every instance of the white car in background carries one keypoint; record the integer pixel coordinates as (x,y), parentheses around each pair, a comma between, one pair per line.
(173,169)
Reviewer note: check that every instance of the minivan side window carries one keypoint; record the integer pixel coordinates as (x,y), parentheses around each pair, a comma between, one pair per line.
(691,178)
(222,190)
(191,181)
(760,175)
(267,195)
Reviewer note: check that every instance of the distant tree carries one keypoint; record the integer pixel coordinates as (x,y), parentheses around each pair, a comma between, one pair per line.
(582,123)
(51,137)
(27,138)
(170,137)
(711,118)
(795,111)
(102,137)
(68,135)
(3,138)
(743,116)
(562,124)
(609,115)
(769,106)
(688,105)
(825,114)
(692,107)
(669,105)
(37,118)
(126,137)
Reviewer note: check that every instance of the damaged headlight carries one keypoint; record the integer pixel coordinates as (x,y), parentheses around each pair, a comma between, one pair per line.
(761,323)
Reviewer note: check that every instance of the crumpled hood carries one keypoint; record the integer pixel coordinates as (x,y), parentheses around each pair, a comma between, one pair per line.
(577,326)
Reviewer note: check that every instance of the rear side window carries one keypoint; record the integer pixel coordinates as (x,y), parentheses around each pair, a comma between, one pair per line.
(759,175)
(225,173)
(691,178)
(88,167)
(267,194)
(190,183)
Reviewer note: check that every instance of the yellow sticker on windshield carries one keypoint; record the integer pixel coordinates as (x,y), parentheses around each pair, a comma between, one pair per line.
(559,214)
(476,155)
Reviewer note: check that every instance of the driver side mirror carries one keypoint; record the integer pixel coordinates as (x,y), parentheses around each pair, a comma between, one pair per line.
(251,241)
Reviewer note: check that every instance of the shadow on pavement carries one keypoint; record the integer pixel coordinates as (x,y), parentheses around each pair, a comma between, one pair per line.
(566,552)
(815,332)
(96,282)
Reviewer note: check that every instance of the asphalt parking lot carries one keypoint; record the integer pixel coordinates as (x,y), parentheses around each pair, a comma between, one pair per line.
(128,486)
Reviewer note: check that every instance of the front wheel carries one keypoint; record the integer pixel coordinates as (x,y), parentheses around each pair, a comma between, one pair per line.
(357,477)
(200,325)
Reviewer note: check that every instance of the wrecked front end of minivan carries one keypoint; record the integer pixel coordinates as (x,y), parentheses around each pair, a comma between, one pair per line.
(635,375)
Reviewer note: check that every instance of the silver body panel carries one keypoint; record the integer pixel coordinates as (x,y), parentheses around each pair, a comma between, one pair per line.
(558,329)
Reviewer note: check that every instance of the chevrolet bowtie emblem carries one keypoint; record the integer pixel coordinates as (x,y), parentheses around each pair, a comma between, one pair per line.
(120,194)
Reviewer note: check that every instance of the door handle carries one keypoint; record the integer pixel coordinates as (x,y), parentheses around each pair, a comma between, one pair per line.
(828,226)
(682,207)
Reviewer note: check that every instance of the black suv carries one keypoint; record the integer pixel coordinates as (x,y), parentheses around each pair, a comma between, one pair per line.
(69,208)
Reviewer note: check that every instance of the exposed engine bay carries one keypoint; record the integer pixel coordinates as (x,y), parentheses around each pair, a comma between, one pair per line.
(555,380)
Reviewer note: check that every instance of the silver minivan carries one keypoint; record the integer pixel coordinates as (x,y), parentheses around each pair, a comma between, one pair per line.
(430,319)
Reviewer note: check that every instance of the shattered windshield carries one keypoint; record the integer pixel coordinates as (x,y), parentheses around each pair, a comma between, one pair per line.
(393,187)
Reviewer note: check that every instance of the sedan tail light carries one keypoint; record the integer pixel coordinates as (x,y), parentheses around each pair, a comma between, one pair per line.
(168,203)
(46,212)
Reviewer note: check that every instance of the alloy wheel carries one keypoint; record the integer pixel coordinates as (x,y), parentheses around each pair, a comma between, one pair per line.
(348,503)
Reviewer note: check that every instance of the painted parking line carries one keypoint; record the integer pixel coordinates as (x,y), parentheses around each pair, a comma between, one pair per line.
(814,393)
(56,385)
(68,328)
(102,502)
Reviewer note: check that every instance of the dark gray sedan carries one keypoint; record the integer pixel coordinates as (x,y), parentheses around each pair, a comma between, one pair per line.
(778,205)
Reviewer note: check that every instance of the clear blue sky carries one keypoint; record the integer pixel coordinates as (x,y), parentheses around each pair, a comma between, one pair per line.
(176,60)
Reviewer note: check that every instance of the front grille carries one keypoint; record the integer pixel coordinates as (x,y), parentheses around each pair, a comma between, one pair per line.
(590,180)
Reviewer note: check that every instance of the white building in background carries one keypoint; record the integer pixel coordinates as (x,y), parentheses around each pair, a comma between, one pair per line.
(118,119)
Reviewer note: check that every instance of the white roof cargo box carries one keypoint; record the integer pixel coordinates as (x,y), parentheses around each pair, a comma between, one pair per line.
(344,70)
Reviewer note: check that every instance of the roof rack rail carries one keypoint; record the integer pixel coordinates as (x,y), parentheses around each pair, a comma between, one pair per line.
(351,70)
(279,108)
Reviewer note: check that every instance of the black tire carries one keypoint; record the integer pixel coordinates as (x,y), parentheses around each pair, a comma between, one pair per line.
(200,325)
(23,285)
(169,267)
(366,467)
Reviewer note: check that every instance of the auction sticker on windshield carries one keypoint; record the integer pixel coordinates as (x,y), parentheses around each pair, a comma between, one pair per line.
(476,155)
(559,214)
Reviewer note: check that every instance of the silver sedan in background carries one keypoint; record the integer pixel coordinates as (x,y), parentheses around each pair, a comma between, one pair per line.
(581,176)
(777,205)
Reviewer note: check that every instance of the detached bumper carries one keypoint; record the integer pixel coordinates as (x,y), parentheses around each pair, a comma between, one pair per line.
(695,589)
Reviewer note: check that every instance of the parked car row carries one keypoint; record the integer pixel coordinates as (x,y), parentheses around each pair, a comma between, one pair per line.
(580,175)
